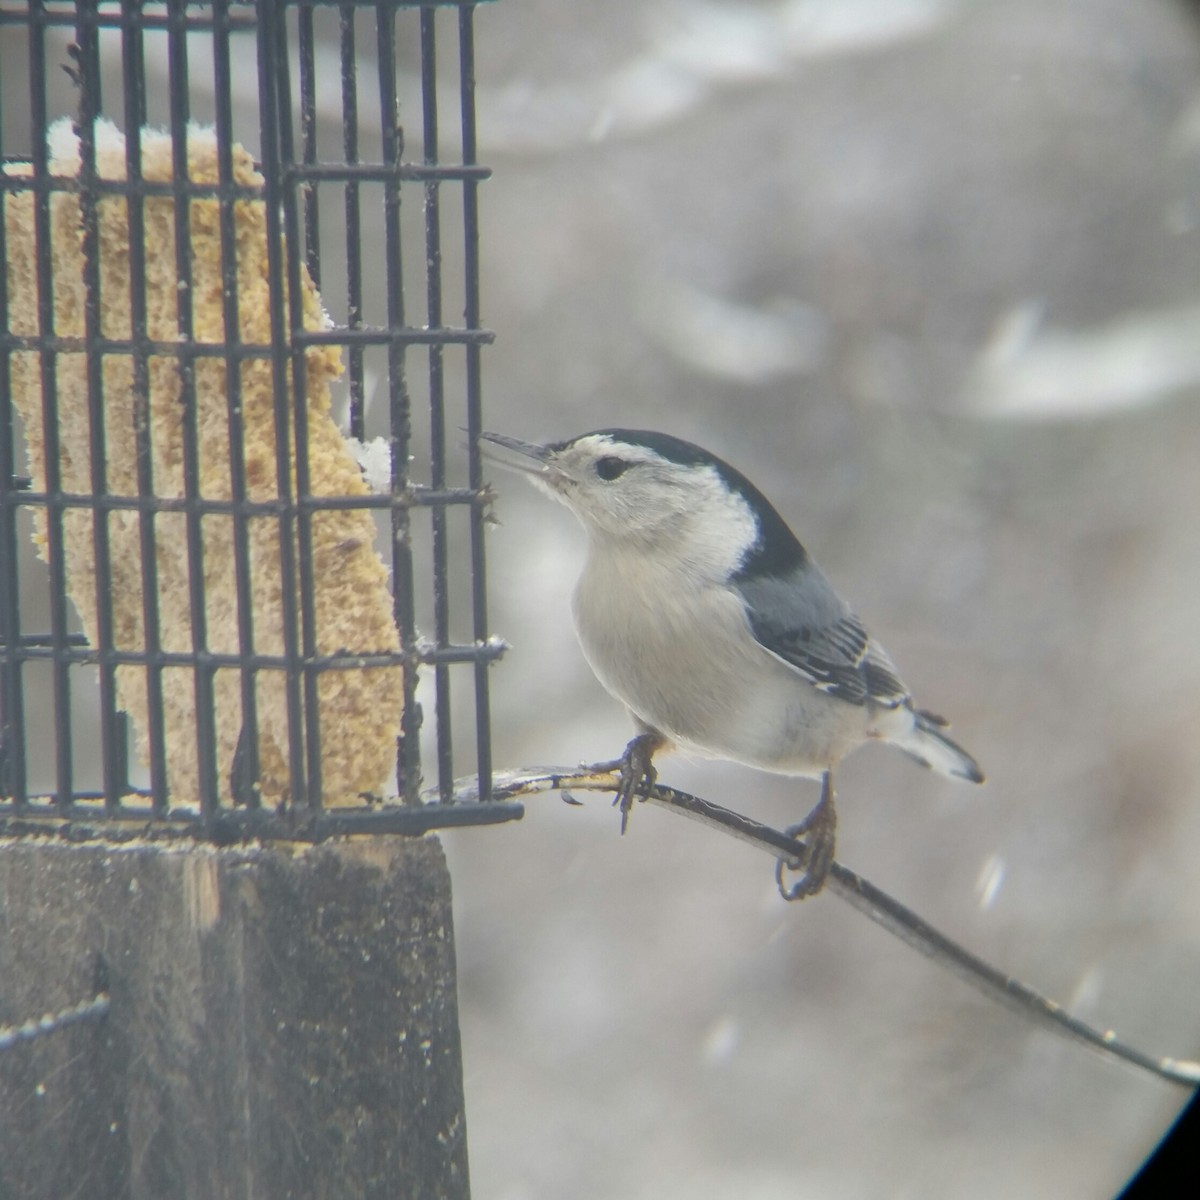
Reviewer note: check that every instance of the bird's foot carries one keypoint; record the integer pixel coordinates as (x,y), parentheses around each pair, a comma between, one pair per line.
(636,768)
(819,832)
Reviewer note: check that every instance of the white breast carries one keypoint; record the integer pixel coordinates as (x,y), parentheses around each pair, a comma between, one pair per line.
(677,650)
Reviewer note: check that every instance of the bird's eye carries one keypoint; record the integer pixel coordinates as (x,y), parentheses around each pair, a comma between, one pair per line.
(609,467)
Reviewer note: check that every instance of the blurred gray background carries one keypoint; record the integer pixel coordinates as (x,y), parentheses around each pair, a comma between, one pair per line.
(929,272)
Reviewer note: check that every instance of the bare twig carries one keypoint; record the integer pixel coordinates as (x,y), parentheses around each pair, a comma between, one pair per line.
(860,894)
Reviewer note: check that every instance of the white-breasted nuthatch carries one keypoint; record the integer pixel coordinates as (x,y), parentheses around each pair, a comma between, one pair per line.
(700,611)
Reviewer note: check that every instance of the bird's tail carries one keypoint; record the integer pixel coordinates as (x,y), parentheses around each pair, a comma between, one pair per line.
(929,745)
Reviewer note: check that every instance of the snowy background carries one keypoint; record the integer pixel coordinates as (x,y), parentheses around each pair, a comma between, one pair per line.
(929,271)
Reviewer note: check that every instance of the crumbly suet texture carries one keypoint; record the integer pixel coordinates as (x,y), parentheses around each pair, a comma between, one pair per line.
(359,708)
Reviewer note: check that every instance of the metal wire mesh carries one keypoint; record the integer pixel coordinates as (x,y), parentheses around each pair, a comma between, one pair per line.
(179,316)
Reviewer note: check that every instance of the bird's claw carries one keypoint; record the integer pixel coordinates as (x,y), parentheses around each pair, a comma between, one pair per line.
(636,768)
(819,833)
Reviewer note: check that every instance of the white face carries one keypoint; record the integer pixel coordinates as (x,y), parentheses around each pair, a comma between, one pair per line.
(626,490)
(673,511)
(632,499)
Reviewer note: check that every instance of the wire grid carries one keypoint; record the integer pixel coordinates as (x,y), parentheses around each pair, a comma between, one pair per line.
(299,80)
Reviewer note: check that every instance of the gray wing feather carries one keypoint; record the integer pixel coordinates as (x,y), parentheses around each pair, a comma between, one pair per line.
(802,620)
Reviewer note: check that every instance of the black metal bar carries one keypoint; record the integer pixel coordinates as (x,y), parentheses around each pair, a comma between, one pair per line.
(81,822)
(289,268)
(135,119)
(316,172)
(44,639)
(202,678)
(408,761)
(122,187)
(437,400)
(399,335)
(213,661)
(366,336)
(90,106)
(417,496)
(272,77)
(354,272)
(483,720)
(356,172)
(110,18)
(55,552)
(306,37)
(249,790)
(12,702)
(392,4)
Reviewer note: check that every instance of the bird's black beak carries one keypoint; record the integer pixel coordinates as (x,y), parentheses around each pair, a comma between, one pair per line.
(540,454)
(536,463)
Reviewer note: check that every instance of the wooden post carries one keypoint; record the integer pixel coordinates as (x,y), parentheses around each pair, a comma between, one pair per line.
(283,1022)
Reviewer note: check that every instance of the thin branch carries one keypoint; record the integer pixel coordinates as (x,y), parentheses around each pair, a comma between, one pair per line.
(861,895)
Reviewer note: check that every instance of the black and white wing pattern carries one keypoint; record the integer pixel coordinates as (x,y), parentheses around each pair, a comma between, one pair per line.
(802,620)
